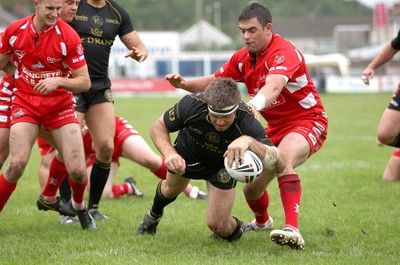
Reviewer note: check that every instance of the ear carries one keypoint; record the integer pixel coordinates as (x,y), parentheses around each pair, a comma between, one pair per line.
(268,28)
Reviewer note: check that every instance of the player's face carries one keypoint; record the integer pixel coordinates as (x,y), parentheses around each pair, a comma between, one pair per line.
(255,36)
(47,11)
(222,123)
(69,9)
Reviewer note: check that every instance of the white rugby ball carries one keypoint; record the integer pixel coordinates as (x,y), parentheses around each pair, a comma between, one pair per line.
(248,171)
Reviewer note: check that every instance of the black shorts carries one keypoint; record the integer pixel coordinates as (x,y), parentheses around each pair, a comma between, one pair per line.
(84,100)
(395,102)
(215,174)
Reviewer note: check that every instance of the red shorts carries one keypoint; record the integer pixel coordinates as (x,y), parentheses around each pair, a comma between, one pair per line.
(45,148)
(52,111)
(315,132)
(6,88)
(122,131)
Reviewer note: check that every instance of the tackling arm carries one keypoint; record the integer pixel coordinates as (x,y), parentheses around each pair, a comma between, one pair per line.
(268,93)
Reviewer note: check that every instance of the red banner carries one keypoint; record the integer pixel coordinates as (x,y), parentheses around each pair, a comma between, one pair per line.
(380,13)
(141,85)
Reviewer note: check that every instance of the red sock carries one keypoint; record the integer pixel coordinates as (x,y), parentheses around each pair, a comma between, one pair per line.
(78,190)
(290,188)
(120,189)
(6,189)
(57,173)
(161,173)
(260,208)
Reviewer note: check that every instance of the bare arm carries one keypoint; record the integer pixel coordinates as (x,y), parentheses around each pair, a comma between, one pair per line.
(383,57)
(137,49)
(194,85)
(79,82)
(268,93)
(162,140)
(5,63)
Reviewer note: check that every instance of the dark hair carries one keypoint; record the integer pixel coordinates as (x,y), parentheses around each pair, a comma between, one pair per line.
(256,10)
(222,92)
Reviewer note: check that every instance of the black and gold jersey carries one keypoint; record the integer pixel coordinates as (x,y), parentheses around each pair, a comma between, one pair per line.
(98,28)
(198,140)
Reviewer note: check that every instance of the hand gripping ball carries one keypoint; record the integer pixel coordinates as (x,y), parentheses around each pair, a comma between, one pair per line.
(248,171)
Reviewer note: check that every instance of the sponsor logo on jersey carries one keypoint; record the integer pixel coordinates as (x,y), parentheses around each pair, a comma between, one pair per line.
(38,65)
(80,58)
(97,21)
(81,18)
(53,60)
(112,21)
(20,54)
(33,78)
(91,40)
(213,137)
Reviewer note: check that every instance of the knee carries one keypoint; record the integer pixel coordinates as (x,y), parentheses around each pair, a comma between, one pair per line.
(253,192)
(226,230)
(78,175)
(386,137)
(220,226)
(105,151)
(15,170)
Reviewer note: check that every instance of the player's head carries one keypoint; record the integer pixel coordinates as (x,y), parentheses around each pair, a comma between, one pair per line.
(46,13)
(255,24)
(258,11)
(69,9)
(223,97)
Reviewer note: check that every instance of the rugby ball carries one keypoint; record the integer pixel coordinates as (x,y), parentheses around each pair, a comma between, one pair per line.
(248,171)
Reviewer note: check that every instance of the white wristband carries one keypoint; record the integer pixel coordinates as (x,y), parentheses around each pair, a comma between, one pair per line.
(259,101)
(271,157)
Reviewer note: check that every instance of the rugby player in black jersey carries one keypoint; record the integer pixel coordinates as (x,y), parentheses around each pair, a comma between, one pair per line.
(212,125)
(98,22)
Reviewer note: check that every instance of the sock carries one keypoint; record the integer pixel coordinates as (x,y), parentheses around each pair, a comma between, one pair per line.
(236,234)
(57,173)
(98,180)
(65,190)
(161,172)
(260,208)
(160,202)
(290,189)
(121,189)
(188,189)
(78,191)
(6,189)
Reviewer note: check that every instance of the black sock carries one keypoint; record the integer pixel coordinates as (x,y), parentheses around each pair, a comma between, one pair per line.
(160,202)
(98,180)
(65,190)
(236,234)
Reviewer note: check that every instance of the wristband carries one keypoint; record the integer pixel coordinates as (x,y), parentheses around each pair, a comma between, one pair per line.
(259,101)
(271,157)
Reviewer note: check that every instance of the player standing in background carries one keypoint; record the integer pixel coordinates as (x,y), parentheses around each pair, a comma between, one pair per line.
(98,22)
(281,89)
(388,132)
(51,65)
